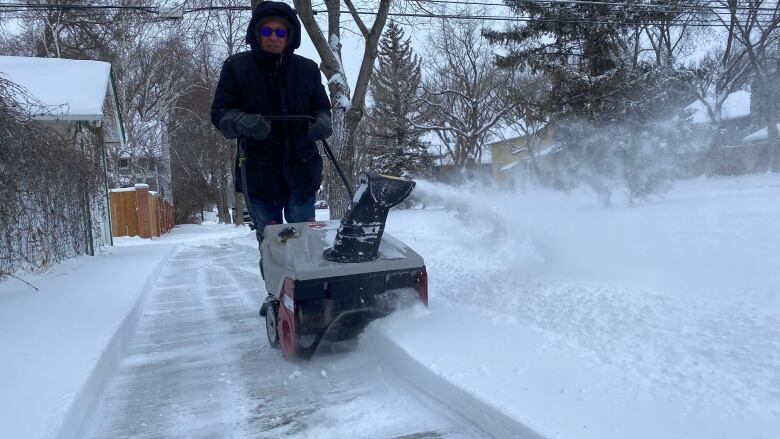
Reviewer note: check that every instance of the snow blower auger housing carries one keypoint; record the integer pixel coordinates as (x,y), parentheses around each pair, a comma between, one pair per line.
(330,279)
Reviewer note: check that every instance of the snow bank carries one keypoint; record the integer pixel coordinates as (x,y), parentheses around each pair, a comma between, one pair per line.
(644,321)
(60,343)
(193,234)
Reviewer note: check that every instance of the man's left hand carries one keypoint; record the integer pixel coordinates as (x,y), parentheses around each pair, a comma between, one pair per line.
(322,128)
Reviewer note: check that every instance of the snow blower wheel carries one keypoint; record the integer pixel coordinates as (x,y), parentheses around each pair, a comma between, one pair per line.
(272,324)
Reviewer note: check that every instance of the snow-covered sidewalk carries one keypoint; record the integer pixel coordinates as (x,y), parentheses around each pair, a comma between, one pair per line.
(59,344)
(199,365)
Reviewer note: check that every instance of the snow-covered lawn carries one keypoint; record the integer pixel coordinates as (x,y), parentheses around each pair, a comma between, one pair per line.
(660,319)
(654,320)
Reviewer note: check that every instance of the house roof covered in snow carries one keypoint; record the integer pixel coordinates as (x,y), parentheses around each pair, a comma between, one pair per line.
(62,89)
(758,136)
(736,105)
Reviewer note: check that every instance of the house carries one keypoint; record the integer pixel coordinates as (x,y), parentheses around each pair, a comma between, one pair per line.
(445,170)
(513,158)
(744,146)
(735,116)
(76,98)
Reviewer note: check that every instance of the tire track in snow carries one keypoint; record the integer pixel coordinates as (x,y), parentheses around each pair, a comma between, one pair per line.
(200,365)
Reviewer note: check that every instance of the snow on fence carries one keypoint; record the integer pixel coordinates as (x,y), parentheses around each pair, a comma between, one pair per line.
(138,212)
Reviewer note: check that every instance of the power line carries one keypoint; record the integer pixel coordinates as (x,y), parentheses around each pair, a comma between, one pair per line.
(665,7)
(21,7)
(630,7)
(634,7)
(584,20)
(700,22)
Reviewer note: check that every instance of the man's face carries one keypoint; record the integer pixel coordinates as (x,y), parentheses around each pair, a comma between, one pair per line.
(270,41)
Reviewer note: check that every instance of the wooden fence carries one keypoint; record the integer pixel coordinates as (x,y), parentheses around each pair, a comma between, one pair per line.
(137,212)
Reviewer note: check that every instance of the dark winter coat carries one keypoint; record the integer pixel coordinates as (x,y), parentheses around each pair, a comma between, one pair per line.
(286,163)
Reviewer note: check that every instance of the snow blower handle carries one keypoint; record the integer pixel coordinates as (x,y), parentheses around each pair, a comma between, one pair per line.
(328,151)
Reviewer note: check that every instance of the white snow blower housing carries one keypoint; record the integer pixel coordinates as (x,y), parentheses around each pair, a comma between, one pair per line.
(330,279)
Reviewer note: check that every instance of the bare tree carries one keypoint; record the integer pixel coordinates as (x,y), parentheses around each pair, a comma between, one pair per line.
(757,25)
(198,150)
(148,67)
(216,36)
(464,90)
(669,31)
(64,32)
(348,105)
(749,52)
(722,72)
(528,115)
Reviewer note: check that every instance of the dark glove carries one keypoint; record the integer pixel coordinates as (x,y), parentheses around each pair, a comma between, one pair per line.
(236,123)
(322,127)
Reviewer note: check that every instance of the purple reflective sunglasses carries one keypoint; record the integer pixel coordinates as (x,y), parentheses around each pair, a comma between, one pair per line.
(267,31)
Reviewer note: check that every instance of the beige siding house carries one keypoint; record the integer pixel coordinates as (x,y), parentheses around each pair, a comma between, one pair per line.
(512,158)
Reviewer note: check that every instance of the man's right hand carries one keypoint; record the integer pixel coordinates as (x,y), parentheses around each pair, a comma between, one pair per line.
(237,123)
(253,125)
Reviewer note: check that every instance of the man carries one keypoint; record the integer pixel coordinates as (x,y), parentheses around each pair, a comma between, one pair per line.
(283,166)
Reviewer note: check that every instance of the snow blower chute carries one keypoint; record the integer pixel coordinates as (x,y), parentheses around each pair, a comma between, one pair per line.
(329,279)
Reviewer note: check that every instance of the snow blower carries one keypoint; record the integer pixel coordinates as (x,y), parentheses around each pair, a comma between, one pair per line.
(327,280)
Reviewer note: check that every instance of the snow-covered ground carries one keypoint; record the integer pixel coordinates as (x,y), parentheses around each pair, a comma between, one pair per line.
(549,317)
(200,365)
(660,319)
(60,343)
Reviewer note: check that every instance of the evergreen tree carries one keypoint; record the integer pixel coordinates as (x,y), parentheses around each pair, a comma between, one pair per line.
(395,145)
(590,51)
(608,102)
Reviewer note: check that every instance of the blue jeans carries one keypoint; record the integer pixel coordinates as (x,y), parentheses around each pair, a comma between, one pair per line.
(264,213)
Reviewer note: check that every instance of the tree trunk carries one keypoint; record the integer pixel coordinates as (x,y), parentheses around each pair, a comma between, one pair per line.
(345,132)
(238,220)
(347,108)
(222,205)
(771,113)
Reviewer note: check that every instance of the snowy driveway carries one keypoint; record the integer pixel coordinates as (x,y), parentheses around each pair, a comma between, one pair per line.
(199,365)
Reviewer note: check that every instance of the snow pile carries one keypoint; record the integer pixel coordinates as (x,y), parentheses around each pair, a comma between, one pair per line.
(66,89)
(653,320)
(61,342)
